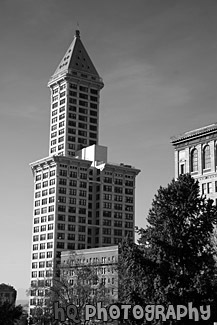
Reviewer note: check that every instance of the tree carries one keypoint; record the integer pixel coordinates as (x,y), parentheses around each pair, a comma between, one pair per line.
(176,255)
(9,314)
(78,284)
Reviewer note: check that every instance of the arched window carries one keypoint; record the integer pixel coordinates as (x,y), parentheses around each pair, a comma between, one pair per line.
(194,160)
(206,157)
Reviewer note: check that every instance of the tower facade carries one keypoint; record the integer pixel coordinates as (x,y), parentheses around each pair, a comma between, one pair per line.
(75,89)
(196,153)
(80,199)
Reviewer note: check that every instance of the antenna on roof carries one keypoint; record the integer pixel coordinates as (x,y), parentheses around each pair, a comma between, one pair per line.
(77,32)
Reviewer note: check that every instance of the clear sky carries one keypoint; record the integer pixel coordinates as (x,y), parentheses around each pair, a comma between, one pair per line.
(158,60)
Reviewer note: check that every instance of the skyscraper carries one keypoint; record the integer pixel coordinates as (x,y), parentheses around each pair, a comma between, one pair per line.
(80,199)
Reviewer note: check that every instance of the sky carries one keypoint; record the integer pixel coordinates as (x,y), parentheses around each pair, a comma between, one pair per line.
(158,60)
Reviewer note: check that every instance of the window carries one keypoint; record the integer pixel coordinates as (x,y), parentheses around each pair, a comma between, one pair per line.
(38,185)
(54,120)
(206,157)
(35,256)
(43,210)
(43,237)
(72,200)
(34,265)
(49,254)
(128,224)
(52,181)
(43,228)
(209,187)
(42,246)
(45,184)
(93,98)
(63,172)
(61,217)
(41,274)
(84,89)
(44,192)
(71,246)
(204,189)
(35,247)
(62,199)
(50,236)
(60,245)
(63,181)
(51,217)
(106,231)
(51,199)
(52,173)
(73,174)
(61,226)
(37,194)
(118,215)
(36,220)
(71,227)
(194,160)
(71,236)
(118,223)
(42,255)
(93,120)
(118,232)
(82,220)
(38,177)
(44,201)
(106,240)
(61,139)
(71,218)
(130,183)
(81,237)
(50,227)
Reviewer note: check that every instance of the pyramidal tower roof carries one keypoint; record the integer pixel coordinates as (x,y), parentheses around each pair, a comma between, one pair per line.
(76,58)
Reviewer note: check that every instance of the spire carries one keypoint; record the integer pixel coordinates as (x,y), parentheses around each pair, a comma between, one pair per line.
(76,59)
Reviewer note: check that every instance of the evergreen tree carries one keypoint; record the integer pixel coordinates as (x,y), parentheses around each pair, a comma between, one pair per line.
(9,314)
(176,252)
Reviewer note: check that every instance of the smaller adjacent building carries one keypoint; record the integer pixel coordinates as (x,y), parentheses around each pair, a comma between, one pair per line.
(7,294)
(196,153)
(104,260)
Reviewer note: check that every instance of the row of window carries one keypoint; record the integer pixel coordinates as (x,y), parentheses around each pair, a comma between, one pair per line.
(42,246)
(116,206)
(43,228)
(43,264)
(45,183)
(43,237)
(42,255)
(117,215)
(41,274)
(118,181)
(74,116)
(45,175)
(207,188)
(119,198)
(44,192)
(206,159)
(44,210)
(44,219)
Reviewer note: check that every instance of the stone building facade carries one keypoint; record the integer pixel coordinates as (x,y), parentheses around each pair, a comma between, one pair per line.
(196,153)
